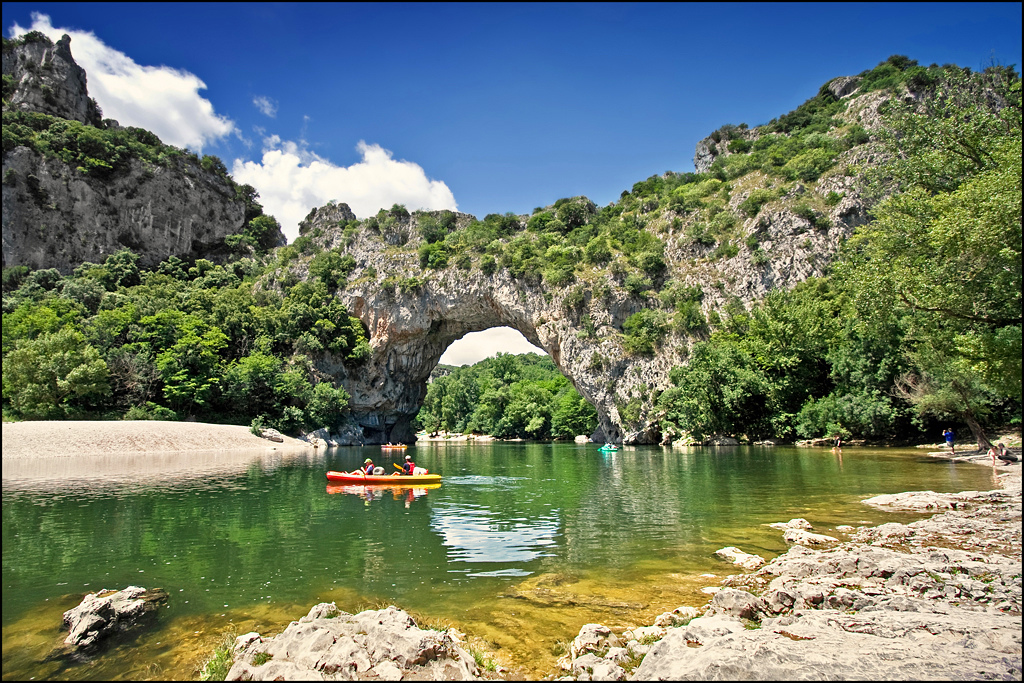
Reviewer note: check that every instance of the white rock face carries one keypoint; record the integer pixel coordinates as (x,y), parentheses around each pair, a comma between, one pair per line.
(738,557)
(376,644)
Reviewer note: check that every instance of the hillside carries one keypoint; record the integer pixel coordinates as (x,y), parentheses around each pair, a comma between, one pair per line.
(78,188)
(698,305)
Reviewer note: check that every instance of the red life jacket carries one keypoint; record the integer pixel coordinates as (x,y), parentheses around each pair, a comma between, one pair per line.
(408,467)
(369,468)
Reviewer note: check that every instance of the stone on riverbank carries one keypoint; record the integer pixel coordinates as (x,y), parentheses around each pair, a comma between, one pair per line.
(738,557)
(106,613)
(380,644)
(888,605)
(801,537)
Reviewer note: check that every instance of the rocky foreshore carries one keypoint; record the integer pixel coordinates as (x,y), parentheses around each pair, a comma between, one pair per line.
(328,644)
(939,598)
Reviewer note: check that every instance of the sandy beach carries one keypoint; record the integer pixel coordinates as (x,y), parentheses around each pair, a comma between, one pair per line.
(56,439)
(41,455)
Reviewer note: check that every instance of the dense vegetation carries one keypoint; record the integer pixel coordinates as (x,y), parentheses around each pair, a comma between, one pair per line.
(919,320)
(921,317)
(509,397)
(204,341)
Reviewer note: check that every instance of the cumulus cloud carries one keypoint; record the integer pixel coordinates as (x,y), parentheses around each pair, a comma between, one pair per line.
(266,105)
(157,98)
(292,180)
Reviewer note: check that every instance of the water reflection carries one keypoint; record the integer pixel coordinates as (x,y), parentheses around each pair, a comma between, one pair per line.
(476,533)
(377,491)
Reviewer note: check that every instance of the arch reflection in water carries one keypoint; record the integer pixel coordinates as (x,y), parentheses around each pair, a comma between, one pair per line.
(477,534)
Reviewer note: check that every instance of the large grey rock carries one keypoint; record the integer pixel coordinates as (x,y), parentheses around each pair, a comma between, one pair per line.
(372,645)
(55,216)
(106,613)
(736,603)
(48,80)
(829,645)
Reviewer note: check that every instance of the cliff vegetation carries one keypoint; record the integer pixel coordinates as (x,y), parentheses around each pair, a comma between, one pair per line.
(852,267)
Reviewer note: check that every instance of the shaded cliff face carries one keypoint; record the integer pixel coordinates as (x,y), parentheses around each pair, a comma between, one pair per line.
(56,217)
(60,209)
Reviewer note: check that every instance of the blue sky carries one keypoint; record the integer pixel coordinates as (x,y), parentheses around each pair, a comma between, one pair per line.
(486,108)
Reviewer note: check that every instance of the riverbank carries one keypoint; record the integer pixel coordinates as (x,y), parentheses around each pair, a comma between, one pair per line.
(57,439)
(939,598)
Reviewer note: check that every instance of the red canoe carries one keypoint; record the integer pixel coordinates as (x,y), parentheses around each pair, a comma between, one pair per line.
(391,480)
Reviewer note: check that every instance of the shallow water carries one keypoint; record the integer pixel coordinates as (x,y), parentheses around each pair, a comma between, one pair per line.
(520,545)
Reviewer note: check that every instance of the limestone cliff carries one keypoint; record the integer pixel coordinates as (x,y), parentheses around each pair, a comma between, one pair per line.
(45,78)
(63,206)
(413,313)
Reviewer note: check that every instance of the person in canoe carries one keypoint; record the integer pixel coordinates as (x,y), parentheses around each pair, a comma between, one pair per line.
(409,466)
(366,469)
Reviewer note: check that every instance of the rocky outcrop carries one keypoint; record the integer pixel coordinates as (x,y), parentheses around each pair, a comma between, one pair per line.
(843,86)
(412,315)
(56,215)
(891,604)
(107,613)
(380,644)
(46,79)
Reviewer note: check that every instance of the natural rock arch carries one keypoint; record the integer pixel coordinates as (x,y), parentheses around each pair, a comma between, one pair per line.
(410,331)
(412,315)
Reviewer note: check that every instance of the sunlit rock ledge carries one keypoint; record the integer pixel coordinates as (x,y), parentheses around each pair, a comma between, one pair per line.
(894,603)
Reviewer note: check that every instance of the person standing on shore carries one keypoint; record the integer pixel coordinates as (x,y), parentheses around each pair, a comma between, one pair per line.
(948,433)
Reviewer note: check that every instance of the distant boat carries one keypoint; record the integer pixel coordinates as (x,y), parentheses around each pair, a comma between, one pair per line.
(608,448)
(392,446)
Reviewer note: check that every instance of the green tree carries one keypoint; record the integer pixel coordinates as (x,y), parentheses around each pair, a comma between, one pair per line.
(721,391)
(572,415)
(326,406)
(54,375)
(946,249)
(191,367)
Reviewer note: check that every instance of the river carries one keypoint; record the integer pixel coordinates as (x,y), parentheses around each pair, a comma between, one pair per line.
(520,545)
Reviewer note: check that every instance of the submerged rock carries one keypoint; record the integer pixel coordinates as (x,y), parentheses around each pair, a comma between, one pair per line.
(106,613)
(738,557)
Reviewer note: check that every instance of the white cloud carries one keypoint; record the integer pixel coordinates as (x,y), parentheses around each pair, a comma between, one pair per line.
(476,346)
(292,180)
(267,106)
(157,98)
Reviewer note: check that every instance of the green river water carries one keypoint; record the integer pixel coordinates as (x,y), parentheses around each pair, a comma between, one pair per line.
(520,546)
